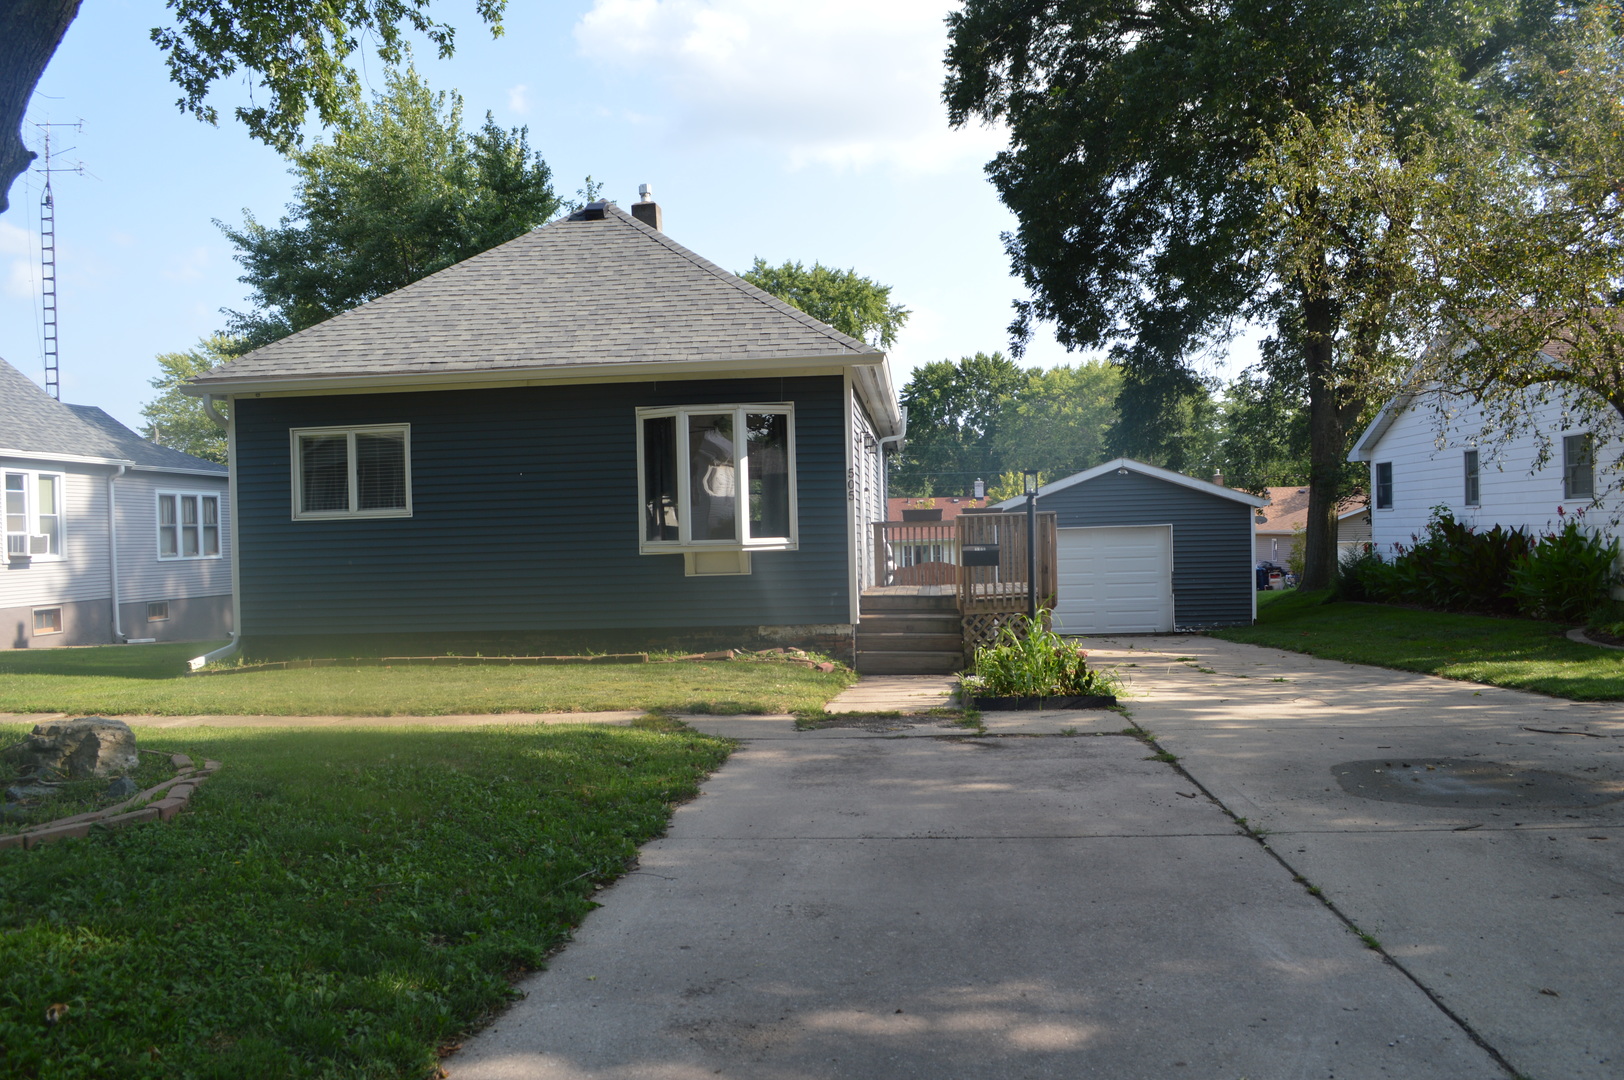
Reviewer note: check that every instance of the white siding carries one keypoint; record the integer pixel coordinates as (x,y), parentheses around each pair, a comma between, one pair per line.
(144,576)
(1511,492)
(81,573)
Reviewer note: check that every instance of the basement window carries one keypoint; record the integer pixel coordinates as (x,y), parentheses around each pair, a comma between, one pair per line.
(157,611)
(48,620)
(717,477)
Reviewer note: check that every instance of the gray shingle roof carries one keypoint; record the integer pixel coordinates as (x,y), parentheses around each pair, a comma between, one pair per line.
(32,421)
(610,291)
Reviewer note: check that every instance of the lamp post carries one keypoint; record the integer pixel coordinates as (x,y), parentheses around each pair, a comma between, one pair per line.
(1029,479)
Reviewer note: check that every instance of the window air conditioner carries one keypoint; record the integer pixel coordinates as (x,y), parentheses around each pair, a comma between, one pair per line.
(16,545)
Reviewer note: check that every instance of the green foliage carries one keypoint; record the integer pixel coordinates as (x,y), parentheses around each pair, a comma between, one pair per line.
(1567,574)
(400,192)
(146,680)
(857,306)
(1170,422)
(178,420)
(1561,575)
(1519,653)
(1029,660)
(1056,422)
(954,411)
(332,903)
(1263,432)
(300,53)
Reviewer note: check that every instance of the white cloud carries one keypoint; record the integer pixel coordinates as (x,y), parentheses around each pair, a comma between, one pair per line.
(20,279)
(519,99)
(15,241)
(844,83)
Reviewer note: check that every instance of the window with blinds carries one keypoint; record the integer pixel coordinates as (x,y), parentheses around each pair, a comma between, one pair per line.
(352,472)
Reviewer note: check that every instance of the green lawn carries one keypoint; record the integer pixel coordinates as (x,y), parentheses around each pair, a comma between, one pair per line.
(333,903)
(1519,653)
(146,679)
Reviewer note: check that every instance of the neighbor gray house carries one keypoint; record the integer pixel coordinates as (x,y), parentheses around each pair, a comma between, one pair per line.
(109,537)
(587,438)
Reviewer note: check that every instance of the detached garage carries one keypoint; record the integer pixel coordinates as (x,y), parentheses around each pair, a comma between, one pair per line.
(1143,550)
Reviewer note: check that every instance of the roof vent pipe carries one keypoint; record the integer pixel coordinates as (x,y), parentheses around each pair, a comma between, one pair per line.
(646,210)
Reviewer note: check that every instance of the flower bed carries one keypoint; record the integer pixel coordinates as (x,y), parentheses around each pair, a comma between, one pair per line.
(1029,666)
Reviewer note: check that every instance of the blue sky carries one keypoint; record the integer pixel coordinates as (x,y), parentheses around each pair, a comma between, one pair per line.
(808,131)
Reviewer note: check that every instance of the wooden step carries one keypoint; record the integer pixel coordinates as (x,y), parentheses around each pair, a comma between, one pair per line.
(891,603)
(909,663)
(869,641)
(904,623)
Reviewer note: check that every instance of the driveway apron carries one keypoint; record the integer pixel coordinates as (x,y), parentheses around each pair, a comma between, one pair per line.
(1474,832)
(907,899)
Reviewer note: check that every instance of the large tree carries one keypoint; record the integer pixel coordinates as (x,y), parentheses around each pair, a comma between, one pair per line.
(1526,245)
(1133,131)
(298,53)
(399,192)
(179,419)
(954,410)
(857,306)
(1057,421)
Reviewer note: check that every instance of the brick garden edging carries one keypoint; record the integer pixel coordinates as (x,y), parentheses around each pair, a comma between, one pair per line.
(177,792)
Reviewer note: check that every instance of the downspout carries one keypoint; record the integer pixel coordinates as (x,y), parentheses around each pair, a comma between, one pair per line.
(885,472)
(112,547)
(235,643)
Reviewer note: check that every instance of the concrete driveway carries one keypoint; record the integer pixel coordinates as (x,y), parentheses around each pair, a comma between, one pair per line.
(1497,885)
(904,899)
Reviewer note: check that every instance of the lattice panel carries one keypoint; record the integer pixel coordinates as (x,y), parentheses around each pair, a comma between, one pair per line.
(982,627)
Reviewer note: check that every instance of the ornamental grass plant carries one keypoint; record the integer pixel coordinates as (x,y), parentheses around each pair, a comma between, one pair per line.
(1027,659)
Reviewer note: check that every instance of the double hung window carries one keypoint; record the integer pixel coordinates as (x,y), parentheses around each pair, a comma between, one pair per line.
(1470,464)
(33,514)
(717,476)
(1384,485)
(1578,467)
(352,472)
(188,525)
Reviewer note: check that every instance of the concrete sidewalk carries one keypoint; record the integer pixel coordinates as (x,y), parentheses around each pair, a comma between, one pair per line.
(847,902)
(450,721)
(1507,907)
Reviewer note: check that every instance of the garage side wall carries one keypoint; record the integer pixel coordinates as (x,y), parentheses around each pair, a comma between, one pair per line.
(1212,539)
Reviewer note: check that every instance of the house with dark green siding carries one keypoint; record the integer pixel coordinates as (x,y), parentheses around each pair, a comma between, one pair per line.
(587,439)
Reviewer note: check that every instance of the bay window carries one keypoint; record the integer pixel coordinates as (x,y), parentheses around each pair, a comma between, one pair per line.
(717,477)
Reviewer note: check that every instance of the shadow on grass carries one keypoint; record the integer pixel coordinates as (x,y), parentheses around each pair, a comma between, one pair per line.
(166,661)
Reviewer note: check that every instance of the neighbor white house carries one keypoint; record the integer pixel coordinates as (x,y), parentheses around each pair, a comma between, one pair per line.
(108,537)
(1418,462)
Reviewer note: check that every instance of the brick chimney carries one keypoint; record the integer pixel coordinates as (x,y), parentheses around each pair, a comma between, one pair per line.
(645,209)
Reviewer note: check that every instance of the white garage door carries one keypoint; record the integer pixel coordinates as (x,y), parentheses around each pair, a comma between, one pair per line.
(1116,580)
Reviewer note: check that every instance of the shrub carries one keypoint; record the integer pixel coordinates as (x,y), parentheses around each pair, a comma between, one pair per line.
(1029,660)
(1566,574)
(1363,576)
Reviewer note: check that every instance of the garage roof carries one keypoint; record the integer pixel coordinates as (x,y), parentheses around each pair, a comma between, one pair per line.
(1130,465)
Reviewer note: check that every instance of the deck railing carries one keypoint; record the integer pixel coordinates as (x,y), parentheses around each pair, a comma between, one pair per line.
(931,553)
(1003,588)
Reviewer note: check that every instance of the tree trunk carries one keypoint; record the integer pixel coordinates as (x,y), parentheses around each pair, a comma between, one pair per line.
(1326,444)
(30,31)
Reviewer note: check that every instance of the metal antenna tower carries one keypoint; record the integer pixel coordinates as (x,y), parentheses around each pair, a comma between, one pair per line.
(47,257)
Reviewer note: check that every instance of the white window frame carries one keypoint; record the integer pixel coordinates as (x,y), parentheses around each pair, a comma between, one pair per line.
(1376,485)
(350,431)
(157,606)
(31,479)
(1472,478)
(1583,439)
(180,548)
(745,542)
(61,622)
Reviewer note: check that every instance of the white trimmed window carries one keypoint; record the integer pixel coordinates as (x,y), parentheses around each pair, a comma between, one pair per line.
(48,620)
(351,472)
(1578,467)
(717,477)
(33,515)
(188,525)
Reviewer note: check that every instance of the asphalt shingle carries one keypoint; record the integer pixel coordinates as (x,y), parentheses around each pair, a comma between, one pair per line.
(579,291)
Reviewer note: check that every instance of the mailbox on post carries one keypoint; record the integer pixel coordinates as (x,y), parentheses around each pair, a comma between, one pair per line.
(979,555)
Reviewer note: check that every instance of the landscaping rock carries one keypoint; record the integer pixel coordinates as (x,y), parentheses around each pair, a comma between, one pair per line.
(29,791)
(76,749)
(122,788)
